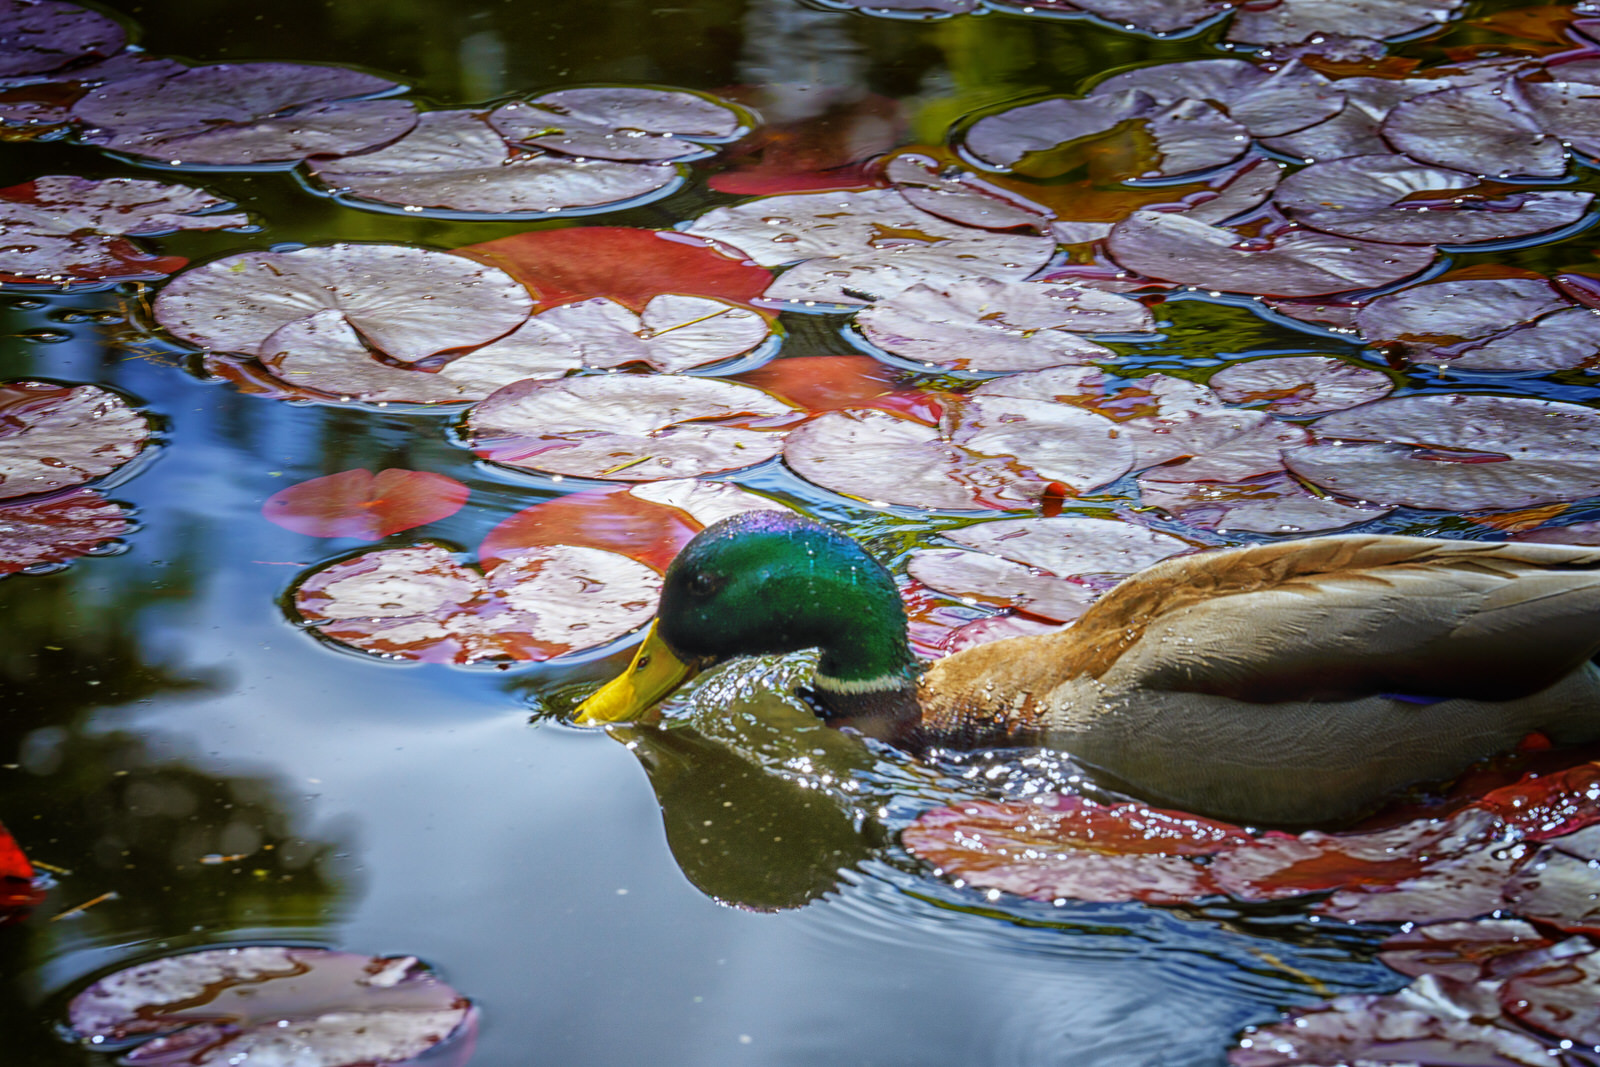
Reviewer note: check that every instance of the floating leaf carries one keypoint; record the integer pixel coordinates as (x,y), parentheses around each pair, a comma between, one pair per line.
(243,114)
(834,383)
(1300,385)
(1461,951)
(1000,583)
(620,122)
(1521,325)
(44,35)
(265,1004)
(629,266)
(324,357)
(18,893)
(931,9)
(357,503)
(418,603)
(14,865)
(43,532)
(981,324)
(992,628)
(962,197)
(1270,504)
(409,303)
(454,162)
(1484,129)
(1298,20)
(54,436)
(1150,16)
(673,333)
(1456,452)
(632,428)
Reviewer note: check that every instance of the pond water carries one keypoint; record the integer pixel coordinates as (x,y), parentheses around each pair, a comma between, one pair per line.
(197,770)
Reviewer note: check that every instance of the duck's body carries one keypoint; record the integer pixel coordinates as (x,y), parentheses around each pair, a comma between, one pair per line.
(1288,683)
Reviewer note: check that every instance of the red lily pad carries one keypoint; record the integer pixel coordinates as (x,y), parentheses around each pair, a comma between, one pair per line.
(1270,504)
(358,503)
(629,266)
(18,893)
(44,35)
(453,162)
(1521,325)
(61,229)
(43,532)
(56,436)
(981,324)
(408,303)
(418,603)
(1558,889)
(1456,452)
(628,427)
(1354,130)
(834,383)
(1300,385)
(1394,199)
(982,578)
(14,864)
(649,522)
(243,114)
(1298,20)
(260,1004)
(620,122)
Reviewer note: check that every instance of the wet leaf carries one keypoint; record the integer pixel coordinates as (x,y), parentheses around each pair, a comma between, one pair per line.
(1455,452)
(409,303)
(992,628)
(962,197)
(1001,583)
(39,36)
(981,324)
(418,603)
(1522,325)
(627,265)
(1558,889)
(673,333)
(454,162)
(55,530)
(1298,20)
(243,114)
(627,427)
(1545,807)
(324,357)
(1291,262)
(834,383)
(1562,999)
(620,122)
(1150,16)
(1300,385)
(358,503)
(265,1004)
(1393,199)
(1483,129)
(1269,504)
(1463,951)
(55,436)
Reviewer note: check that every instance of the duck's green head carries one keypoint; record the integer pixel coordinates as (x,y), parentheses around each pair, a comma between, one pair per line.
(767,581)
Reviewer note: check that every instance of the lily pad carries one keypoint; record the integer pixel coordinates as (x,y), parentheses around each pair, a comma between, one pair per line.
(409,303)
(265,1004)
(1289,262)
(40,36)
(1300,385)
(323,357)
(1483,129)
(418,603)
(986,325)
(627,427)
(835,383)
(243,114)
(56,436)
(960,196)
(43,532)
(1270,504)
(1393,199)
(454,162)
(620,122)
(1456,452)
(1524,325)
(673,333)
(358,503)
(1149,16)
(1299,20)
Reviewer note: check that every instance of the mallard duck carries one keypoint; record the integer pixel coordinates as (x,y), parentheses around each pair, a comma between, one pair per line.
(1291,683)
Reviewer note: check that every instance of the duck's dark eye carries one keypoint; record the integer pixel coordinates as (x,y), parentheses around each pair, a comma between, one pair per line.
(703,584)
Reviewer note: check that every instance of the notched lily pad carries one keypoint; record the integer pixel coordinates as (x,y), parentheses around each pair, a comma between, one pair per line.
(1270,503)
(56,436)
(1298,20)
(621,122)
(38,533)
(1300,385)
(418,603)
(265,1004)
(39,36)
(358,503)
(1521,325)
(1148,16)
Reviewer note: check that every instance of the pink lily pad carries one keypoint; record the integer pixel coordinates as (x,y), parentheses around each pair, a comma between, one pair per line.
(1523,325)
(243,114)
(1464,951)
(454,162)
(56,436)
(418,603)
(1270,504)
(44,35)
(1300,385)
(261,1004)
(325,357)
(960,196)
(358,503)
(672,334)
(628,427)
(1456,452)
(991,628)
(620,122)
(43,532)
(1298,20)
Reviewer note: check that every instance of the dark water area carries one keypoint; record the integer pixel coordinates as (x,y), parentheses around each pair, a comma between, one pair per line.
(201,771)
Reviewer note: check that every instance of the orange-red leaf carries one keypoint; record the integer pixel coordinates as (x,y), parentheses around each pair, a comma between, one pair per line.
(357,503)
(834,383)
(612,519)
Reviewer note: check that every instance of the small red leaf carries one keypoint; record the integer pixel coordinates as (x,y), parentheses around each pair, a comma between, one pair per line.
(357,503)
(834,383)
(612,519)
(13,863)
(1547,806)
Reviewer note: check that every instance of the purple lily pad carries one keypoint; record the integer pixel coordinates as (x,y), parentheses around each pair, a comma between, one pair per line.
(1521,325)
(1148,16)
(1456,452)
(1300,385)
(629,427)
(244,114)
(1354,129)
(1483,129)
(325,355)
(1297,20)
(409,303)
(1271,504)
(1196,79)
(418,603)
(40,102)
(1463,951)
(1002,583)
(990,326)
(962,197)
(1246,189)
(57,436)
(1394,199)
(1289,262)
(39,36)
(620,123)
(453,161)
(42,532)
(261,1004)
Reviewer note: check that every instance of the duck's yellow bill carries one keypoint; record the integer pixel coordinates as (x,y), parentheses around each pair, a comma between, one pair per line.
(654,673)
